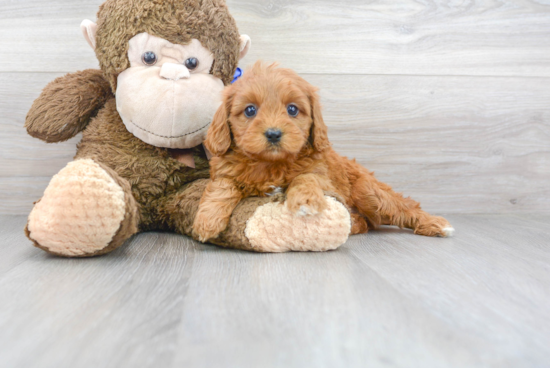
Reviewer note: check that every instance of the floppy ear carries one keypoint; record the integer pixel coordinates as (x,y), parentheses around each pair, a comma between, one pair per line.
(218,138)
(319,130)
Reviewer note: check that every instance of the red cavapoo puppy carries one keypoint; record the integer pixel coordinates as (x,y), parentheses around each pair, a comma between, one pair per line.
(269,135)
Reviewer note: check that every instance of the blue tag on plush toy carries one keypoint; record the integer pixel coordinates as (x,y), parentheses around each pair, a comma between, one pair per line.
(238,74)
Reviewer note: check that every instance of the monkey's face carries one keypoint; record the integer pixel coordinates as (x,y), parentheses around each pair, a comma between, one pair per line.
(167,97)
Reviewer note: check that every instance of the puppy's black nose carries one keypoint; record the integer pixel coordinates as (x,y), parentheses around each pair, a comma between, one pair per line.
(273,135)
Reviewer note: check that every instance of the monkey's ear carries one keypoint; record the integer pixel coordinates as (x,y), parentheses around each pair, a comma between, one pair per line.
(319,130)
(89,30)
(246,42)
(218,138)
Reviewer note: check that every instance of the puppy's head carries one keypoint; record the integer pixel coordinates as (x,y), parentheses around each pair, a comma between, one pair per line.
(271,114)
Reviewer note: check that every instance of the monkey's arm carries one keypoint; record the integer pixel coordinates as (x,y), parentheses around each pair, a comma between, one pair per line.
(67,104)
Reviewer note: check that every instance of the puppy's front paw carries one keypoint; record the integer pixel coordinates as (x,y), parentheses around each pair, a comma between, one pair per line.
(306,204)
(205,228)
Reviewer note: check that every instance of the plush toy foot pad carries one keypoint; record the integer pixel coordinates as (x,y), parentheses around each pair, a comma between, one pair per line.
(80,213)
(273,228)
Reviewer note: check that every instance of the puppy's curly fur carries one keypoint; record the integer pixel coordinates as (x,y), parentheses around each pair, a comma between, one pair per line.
(301,161)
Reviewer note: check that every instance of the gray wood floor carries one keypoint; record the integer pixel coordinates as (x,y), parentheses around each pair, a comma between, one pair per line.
(386,299)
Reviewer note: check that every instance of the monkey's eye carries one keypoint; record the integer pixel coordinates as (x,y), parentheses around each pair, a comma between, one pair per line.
(149,58)
(292,110)
(250,111)
(192,63)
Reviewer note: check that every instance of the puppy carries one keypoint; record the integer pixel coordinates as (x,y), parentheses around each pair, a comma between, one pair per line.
(269,134)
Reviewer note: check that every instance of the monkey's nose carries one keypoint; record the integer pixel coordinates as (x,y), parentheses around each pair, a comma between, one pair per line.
(273,135)
(174,72)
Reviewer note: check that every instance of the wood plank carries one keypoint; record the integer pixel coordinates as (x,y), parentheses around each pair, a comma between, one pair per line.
(387,298)
(14,247)
(490,281)
(314,310)
(21,154)
(126,307)
(346,37)
(276,304)
(46,35)
(456,144)
(400,37)
(18,194)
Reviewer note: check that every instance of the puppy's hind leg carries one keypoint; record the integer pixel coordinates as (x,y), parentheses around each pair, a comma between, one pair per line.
(382,206)
(359,224)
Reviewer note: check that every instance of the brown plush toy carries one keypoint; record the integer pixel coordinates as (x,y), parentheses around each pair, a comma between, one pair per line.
(141,165)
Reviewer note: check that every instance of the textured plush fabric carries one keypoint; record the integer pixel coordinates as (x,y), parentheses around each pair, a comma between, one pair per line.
(169,53)
(89,30)
(151,171)
(121,185)
(181,208)
(81,211)
(273,228)
(165,104)
(167,191)
(264,224)
(177,21)
(66,105)
(246,43)
(129,225)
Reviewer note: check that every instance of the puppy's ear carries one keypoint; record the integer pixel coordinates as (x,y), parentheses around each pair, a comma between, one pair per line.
(319,130)
(218,138)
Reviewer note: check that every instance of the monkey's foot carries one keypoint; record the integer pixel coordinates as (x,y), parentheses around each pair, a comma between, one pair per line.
(84,212)
(274,228)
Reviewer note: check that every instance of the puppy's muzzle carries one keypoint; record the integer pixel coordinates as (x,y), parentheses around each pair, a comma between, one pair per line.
(273,135)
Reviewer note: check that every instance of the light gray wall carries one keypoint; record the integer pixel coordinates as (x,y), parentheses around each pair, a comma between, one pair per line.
(448,101)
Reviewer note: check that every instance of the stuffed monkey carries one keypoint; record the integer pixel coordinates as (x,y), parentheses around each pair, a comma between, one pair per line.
(140,165)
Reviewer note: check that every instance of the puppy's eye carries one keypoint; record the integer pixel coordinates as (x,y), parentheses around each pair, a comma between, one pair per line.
(292,110)
(250,111)
(149,58)
(192,63)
